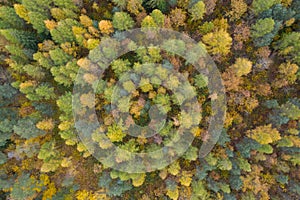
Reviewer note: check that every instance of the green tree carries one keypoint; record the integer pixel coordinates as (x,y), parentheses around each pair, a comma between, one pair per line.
(197,11)
(262,27)
(158,17)
(25,187)
(262,5)
(65,74)
(120,3)
(289,46)
(26,128)
(9,18)
(122,21)
(63,32)
(50,157)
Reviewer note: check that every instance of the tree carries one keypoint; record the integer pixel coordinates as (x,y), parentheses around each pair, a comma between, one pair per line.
(135,6)
(160,4)
(25,187)
(21,38)
(26,128)
(218,42)
(9,18)
(120,3)
(106,27)
(50,157)
(239,7)
(148,22)
(122,21)
(262,5)
(264,134)
(289,46)
(262,27)
(63,31)
(115,133)
(242,66)
(178,17)
(197,11)
(65,74)
(158,17)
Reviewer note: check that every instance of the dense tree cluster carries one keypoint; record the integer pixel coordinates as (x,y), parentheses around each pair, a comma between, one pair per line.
(255,45)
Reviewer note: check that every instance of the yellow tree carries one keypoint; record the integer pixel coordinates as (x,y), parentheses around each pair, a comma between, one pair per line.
(218,42)
(242,66)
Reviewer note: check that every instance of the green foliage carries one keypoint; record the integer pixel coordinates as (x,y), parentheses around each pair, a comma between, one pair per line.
(63,32)
(197,11)
(255,46)
(26,128)
(199,191)
(50,157)
(289,45)
(262,27)
(20,37)
(115,133)
(9,18)
(122,21)
(25,187)
(262,5)
(65,74)
(201,81)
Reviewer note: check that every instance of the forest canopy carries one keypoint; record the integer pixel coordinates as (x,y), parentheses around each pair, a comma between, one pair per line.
(255,46)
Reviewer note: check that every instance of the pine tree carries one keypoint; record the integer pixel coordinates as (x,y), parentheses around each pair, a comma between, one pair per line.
(9,19)
(122,21)
(197,11)
(289,46)
(262,5)
(262,27)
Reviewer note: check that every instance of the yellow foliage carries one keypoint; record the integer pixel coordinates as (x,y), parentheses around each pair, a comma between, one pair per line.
(92,43)
(145,85)
(288,71)
(186,178)
(57,14)
(196,131)
(174,168)
(81,147)
(115,133)
(218,42)
(50,24)
(65,125)
(27,84)
(85,195)
(46,125)
(49,192)
(138,180)
(45,179)
(22,12)
(221,24)
(242,66)
(85,21)
(78,30)
(106,27)
(264,134)
(239,7)
(66,162)
(173,194)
